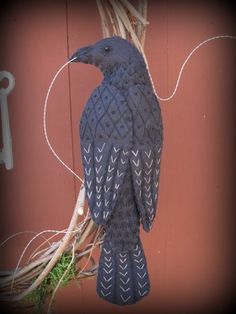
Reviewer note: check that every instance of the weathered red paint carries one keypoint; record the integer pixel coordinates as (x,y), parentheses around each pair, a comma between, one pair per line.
(187,249)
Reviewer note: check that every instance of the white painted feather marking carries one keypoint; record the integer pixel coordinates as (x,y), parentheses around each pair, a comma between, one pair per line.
(98,189)
(141,286)
(108,271)
(98,169)
(148,179)
(101,149)
(125,299)
(123,260)
(149,202)
(140,267)
(117,186)
(108,259)
(108,264)
(142,293)
(125,281)
(98,159)
(88,149)
(99,179)
(116,149)
(89,183)
(123,267)
(105,214)
(125,289)
(107,280)
(87,160)
(142,276)
(149,165)
(147,188)
(107,251)
(151,210)
(113,160)
(106,188)
(105,294)
(135,153)
(108,287)
(138,173)
(136,163)
(148,154)
(122,255)
(90,194)
(110,169)
(119,174)
(88,171)
(148,172)
(137,255)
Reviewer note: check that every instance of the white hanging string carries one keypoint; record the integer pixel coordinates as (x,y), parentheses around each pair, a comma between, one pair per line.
(160,98)
(185,62)
(45,122)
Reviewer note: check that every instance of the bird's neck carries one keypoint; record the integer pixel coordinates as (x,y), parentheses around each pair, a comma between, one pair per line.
(128,74)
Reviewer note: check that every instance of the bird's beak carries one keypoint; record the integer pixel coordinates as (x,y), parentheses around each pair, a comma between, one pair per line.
(82,55)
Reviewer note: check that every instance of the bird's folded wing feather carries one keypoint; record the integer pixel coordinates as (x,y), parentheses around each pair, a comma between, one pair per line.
(145,155)
(106,142)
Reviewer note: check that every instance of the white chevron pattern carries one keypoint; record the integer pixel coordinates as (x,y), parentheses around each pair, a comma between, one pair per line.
(141,272)
(146,169)
(106,284)
(124,279)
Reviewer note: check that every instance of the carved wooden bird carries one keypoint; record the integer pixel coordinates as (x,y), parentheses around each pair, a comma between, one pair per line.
(121,136)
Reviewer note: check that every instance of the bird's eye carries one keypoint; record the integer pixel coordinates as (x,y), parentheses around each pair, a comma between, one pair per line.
(107,48)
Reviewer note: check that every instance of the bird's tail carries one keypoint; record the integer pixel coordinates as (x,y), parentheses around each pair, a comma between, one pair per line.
(122,275)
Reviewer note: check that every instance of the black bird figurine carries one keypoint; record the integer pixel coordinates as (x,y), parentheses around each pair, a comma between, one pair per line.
(121,136)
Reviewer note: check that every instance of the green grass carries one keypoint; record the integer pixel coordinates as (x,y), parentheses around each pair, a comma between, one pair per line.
(39,296)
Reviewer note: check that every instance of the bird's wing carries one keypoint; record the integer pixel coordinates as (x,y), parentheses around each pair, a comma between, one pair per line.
(106,141)
(145,155)
(145,164)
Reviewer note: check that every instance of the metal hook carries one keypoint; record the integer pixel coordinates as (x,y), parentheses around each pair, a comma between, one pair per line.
(6,152)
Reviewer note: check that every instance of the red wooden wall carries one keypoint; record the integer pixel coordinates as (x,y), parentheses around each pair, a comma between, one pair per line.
(189,248)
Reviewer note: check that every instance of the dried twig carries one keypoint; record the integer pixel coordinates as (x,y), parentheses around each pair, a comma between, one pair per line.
(104,23)
(141,30)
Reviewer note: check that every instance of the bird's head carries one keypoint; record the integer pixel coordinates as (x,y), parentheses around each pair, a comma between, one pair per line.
(108,53)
